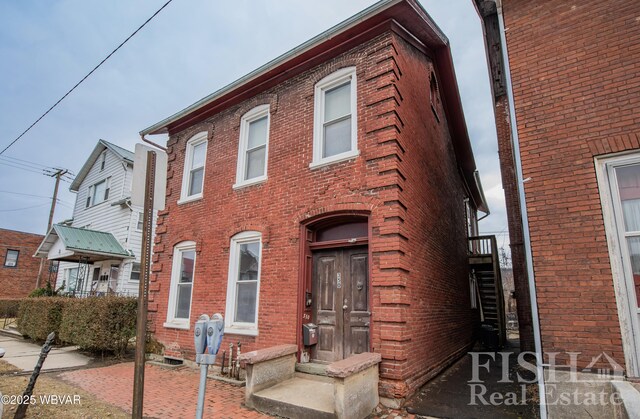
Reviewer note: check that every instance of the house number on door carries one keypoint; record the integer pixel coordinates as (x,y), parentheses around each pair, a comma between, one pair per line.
(339,282)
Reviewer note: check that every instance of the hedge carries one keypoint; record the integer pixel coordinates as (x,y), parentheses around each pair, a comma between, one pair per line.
(9,309)
(99,324)
(37,317)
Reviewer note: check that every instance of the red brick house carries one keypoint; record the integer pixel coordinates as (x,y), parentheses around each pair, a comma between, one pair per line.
(19,270)
(566,81)
(334,185)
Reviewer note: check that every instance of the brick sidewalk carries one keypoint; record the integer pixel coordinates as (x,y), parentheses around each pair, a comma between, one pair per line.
(167,393)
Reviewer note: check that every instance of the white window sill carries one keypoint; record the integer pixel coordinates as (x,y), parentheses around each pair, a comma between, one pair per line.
(191,198)
(334,159)
(176,324)
(254,181)
(236,330)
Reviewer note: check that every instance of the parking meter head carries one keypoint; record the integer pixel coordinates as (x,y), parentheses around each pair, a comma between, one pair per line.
(215,332)
(200,334)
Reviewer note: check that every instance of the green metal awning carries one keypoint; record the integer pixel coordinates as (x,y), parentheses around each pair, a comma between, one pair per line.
(73,244)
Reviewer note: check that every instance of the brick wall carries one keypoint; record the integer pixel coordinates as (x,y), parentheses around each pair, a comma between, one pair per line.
(19,281)
(575,68)
(406,177)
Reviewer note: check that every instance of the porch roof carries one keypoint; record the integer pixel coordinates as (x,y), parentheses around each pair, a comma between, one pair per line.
(72,244)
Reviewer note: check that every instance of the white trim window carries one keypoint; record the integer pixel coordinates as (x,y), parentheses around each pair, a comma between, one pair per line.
(243,288)
(253,147)
(181,289)
(335,118)
(11,258)
(194,161)
(98,193)
(140,221)
(135,271)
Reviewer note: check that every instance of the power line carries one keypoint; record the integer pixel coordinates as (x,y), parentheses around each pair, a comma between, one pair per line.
(40,172)
(60,201)
(26,162)
(20,209)
(85,77)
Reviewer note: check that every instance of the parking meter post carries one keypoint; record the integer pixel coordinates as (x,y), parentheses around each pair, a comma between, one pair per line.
(201,390)
(208,335)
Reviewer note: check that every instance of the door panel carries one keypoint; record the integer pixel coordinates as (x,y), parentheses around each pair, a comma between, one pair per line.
(341,303)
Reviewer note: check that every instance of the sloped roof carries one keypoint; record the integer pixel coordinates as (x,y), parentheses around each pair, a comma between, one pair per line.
(406,14)
(102,145)
(84,243)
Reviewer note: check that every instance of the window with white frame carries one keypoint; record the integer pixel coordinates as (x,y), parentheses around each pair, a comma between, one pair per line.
(103,161)
(182,275)
(253,146)
(98,193)
(11,258)
(140,221)
(72,279)
(135,272)
(243,288)
(335,118)
(194,161)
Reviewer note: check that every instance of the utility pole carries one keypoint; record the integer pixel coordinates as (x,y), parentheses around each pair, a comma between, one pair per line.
(57,174)
(143,290)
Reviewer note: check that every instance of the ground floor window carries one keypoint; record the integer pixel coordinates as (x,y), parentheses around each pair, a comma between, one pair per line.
(182,276)
(243,287)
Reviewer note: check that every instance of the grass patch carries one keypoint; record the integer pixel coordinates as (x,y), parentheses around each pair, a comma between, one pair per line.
(88,407)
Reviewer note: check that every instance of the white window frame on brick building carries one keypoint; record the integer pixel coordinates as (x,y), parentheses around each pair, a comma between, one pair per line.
(232,326)
(331,83)
(173,320)
(259,140)
(191,167)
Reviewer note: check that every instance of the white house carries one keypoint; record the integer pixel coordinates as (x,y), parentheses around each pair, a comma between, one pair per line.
(99,250)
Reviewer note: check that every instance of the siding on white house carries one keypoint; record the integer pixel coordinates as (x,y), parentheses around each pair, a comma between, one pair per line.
(121,220)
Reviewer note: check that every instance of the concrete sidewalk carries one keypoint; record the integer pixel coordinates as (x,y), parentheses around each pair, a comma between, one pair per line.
(24,355)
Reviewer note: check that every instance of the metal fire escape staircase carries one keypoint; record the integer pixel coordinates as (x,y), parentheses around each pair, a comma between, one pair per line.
(484,267)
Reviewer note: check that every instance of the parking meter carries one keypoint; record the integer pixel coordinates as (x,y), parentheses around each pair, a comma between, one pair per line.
(215,332)
(200,334)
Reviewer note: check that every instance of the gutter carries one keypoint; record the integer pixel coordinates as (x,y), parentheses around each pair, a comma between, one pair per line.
(525,219)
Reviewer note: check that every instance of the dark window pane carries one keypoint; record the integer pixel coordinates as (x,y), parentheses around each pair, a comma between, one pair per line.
(183,301)
(195,183)
(186,268)
(255,163)
(246,302)
(337,137)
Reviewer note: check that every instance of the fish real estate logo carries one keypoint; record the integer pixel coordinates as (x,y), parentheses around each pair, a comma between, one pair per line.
(517,372)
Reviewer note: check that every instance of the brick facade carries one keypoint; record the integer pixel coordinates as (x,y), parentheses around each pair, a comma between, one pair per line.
(575,69)
(19,281)
(406,178)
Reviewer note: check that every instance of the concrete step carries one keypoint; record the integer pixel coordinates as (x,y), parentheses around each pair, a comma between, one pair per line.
(304,396)
(312,368)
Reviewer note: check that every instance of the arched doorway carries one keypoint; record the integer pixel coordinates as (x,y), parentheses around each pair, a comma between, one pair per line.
(336,289)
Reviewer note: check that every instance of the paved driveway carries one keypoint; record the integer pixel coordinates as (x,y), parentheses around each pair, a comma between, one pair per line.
(167,393)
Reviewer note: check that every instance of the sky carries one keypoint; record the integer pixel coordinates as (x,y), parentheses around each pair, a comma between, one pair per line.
(192,48)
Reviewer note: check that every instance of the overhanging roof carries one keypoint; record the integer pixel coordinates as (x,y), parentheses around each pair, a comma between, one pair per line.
(74,244)
(408,14)
(102,145)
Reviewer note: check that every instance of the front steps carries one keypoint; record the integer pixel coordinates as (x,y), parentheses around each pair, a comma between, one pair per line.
(346,389)
(303,396)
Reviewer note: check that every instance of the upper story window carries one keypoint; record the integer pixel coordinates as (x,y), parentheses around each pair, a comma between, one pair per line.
(194,160)
(243,288)
(140,221)
(335,118)
(11,258)
(103,160)
(135,272)
(181,288)
(253,146)
(98,193)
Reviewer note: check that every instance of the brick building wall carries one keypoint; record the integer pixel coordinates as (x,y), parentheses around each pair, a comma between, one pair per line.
(406,176)
(19,281)
(575,69)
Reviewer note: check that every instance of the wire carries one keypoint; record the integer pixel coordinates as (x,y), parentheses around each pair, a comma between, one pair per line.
(40,172)
(84,78)
(20,209)
(26,162)
(58,200)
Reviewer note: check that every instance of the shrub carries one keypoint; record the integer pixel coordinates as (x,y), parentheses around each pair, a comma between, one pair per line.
(9,308)
(46,291)
(37,317)
(100,324)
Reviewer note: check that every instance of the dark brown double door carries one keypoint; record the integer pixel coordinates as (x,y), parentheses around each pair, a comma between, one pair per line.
(341,302)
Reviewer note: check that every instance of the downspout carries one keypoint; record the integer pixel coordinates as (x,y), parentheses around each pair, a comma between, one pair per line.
(525,219)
